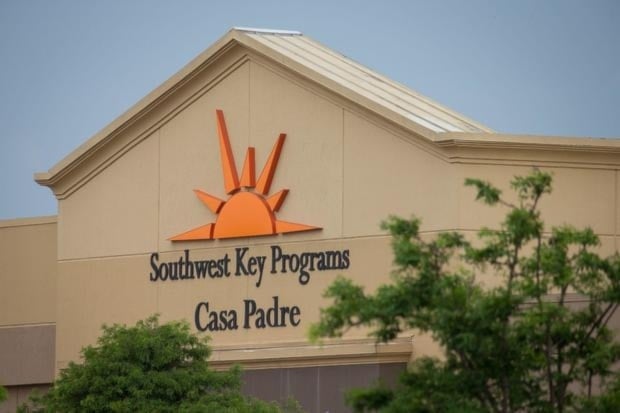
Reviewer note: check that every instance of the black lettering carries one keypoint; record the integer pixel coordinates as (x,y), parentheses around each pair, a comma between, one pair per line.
(294,262)
(213,325)
(285,258)
(304,277)
(272,314)
(283,313)
(321,264)
(224,320)
(252,264)
(174,270)
(197,315)
(249,310)
(224,265)
(338,260)
(163,274)
(213,270)
(181,269)
(240,266)
(313,255)
(304,260)
(232,320)
(276,255)
(261,267)
(260,318)
(330,259)
(201,269)
(189,266)
(154,275)
(294,317)
(307,259)
(345,259)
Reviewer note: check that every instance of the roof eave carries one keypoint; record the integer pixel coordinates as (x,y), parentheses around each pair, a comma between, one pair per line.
(502,140)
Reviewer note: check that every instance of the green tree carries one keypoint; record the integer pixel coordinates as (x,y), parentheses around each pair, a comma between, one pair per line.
(3,394)
(521,346)
(149,367)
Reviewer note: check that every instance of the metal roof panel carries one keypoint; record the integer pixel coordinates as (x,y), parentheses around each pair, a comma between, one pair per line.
(364,81)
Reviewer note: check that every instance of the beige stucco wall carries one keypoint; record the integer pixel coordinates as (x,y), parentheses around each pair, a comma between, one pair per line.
(109,227)
(580,196)
(27,271)
(116,213)
(347,169)
(388,174)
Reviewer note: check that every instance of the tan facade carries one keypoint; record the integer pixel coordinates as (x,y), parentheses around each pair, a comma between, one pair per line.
(358,148)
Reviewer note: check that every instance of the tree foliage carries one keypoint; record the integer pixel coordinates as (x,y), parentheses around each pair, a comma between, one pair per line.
(3,394)
(149,367)
(538,341)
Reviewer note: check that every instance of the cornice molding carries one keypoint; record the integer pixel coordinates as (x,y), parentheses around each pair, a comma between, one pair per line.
(304,354)
(27,222)
(526,150)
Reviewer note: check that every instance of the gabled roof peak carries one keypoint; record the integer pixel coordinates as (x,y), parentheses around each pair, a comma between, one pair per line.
(297,53)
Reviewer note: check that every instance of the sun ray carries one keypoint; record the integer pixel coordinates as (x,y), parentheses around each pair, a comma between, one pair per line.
(275,201)
(264,181)
(214,204)
(248,174)
(284,227)
(231,179)
(200,233)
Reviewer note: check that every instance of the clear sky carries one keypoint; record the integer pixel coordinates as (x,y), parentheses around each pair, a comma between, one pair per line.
(69,67)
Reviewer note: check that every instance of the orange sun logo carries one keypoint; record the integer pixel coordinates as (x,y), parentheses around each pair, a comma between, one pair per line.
(249,212)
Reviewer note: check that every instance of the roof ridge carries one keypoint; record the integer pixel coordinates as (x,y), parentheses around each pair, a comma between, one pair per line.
(268,31)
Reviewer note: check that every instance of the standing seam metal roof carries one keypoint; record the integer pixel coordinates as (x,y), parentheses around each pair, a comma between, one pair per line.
(362,80)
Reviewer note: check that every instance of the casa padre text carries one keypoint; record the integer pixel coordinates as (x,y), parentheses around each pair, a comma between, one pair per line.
(242,263)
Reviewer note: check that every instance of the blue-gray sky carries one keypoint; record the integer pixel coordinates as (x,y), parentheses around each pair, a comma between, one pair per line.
(69,67)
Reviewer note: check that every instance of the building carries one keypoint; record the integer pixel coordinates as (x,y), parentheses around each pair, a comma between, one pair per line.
(247,182)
